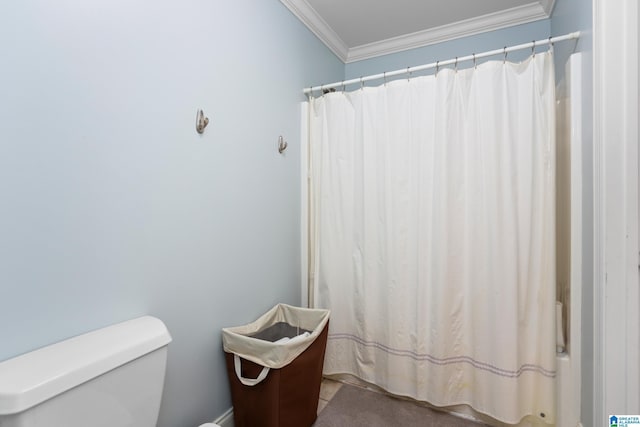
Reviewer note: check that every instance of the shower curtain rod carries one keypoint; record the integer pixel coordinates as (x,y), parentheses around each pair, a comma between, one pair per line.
(474,56)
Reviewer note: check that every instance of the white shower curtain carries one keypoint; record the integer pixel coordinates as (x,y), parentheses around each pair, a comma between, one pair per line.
(433,227)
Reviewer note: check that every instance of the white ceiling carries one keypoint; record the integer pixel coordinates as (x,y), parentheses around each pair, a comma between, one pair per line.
(361,29)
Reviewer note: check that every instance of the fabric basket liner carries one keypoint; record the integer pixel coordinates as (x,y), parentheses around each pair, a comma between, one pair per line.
(237,340)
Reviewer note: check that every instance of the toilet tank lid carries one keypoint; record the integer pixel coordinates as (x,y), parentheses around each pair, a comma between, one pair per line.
(32,378)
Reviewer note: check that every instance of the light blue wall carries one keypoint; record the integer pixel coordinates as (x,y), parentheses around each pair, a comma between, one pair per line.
(569,16)
(113,207)
(448,50)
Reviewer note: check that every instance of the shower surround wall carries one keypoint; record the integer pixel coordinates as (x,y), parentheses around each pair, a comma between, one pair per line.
(577,15)
(112,206)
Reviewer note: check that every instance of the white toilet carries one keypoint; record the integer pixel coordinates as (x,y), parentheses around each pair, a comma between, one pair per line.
(112,377)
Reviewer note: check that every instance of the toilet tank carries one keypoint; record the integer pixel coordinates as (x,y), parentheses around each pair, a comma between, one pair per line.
(111,377)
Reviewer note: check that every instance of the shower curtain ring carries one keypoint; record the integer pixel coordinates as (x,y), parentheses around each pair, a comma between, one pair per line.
(475,65)
(504,61)
(437,67)
(533,49)
(384,76)
(361,83)
(455,67)
(343,87)
(408,73)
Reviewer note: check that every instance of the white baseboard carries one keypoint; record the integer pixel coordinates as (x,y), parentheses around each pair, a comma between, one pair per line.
(226,419)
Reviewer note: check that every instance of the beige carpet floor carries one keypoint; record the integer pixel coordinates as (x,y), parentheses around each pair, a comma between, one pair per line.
(357,407)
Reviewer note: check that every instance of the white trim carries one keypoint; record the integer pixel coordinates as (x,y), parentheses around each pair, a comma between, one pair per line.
(468,27)
(631,97)
(576,118)
(534,11)
(616,293)
(598,228)
(318,26)
(226,419)
(548,5)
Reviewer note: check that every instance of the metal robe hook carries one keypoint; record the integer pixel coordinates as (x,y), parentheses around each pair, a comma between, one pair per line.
(282,144)
(201,121)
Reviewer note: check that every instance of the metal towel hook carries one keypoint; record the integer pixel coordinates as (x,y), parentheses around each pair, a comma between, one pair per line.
(282,144)
(201,121)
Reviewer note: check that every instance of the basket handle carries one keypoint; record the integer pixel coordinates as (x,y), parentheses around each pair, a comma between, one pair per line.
(248,381)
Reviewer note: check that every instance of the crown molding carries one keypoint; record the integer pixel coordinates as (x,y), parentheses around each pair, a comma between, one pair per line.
(318,26)
(534,11)
(490,22)
(548,5)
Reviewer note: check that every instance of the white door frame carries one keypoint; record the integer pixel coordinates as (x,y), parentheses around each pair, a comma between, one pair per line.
(616,280)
